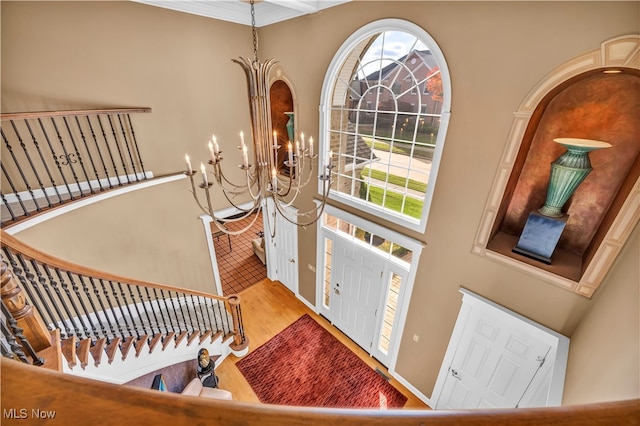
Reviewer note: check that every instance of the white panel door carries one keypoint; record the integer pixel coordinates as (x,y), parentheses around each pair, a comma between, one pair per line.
(287,253)
(493,365)
(282,249)
(356,292)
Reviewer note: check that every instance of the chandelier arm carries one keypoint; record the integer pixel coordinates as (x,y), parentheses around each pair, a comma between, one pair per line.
(292,200)
(309,174)
(255,201)
(195,195)
(289,184)
(235,193)
(318,210)
(219,174)
(245,213)
(265,213)
(204,210)
(237,190)
(239,231)
(250,183)
(224,178)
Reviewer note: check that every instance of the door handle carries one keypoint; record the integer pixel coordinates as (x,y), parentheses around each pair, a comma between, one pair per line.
(292,261)
(455,374)
(336,291)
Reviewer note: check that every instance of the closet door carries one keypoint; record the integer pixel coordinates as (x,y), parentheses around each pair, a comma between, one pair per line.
(282,249)
(495,357)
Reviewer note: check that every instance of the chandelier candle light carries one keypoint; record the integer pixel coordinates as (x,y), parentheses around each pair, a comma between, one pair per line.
(262,180)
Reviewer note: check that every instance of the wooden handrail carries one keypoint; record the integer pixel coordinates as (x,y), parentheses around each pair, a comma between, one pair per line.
(31,253)
(50,158)
(69,398)
(69,113)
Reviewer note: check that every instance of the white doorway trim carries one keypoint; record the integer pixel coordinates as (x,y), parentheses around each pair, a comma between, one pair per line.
(206,222)
(407,288)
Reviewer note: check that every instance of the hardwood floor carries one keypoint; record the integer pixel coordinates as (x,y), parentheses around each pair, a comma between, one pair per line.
(269,307)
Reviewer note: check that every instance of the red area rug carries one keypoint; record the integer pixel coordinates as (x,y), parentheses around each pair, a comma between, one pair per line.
(304,365)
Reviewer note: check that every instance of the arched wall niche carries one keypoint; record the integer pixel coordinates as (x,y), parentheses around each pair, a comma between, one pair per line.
(580,99)
(282,100)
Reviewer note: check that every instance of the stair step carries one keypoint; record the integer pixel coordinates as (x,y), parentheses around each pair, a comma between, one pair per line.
(140,343)
(154,342)
(180,338)
(53,354)
(227,337)
(215,336)
(69,350)
(125,346)
(203,336)
(83,352)
(112,348)
(97,350)
(193,336)
(167,339)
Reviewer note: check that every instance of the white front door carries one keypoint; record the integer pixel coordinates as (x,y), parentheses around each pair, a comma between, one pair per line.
(356,291)
(282,249)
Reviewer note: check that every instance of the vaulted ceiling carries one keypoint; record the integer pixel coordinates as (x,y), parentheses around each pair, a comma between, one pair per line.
(239,11)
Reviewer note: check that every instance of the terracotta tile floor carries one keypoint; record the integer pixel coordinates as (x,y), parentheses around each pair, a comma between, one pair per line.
(239,267)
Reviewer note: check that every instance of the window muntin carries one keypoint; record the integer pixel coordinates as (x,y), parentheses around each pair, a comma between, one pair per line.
(374,243)
(385,112)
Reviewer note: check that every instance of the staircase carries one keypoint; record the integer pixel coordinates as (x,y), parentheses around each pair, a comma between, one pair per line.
(114,359)
(107,327)
(111,328)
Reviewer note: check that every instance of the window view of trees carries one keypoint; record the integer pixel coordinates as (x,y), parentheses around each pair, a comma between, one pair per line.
(386,109)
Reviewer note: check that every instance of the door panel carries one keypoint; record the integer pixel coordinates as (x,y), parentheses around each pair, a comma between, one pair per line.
(356,292)
(282,250)
(493,365)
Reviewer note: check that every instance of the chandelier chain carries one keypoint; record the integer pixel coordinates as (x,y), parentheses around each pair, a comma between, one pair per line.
(254,31)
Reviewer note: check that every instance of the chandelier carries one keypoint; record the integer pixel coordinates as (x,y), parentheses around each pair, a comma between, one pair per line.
(263,182)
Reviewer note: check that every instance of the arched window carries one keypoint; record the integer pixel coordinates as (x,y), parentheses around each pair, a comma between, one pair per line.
(385,110)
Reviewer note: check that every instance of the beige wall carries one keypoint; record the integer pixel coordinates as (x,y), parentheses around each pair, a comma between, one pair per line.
(496,52)
(66,55)
(151,235)
(73,55)
(604,362)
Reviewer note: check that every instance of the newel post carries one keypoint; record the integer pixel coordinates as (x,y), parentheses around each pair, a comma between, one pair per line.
(27,318)
(240,341)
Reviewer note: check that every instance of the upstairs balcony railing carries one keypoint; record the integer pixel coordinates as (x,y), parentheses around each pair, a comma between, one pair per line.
(50,158)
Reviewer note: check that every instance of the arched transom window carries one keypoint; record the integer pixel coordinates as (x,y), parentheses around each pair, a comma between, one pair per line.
(385,109)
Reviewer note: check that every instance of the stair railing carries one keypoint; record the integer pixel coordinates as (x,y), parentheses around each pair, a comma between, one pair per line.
(112,311)
(53,157)
(13,342)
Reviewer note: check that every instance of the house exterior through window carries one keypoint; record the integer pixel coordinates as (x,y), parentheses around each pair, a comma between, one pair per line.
(385,114)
